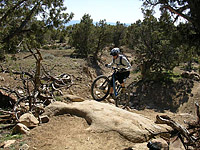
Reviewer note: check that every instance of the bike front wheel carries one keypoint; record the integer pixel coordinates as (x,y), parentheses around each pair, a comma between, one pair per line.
(100,88)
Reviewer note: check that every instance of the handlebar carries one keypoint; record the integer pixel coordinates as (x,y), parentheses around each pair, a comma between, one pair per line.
(115,68)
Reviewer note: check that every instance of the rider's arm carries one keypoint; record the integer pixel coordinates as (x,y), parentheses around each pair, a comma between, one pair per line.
(110,64)
(126,63)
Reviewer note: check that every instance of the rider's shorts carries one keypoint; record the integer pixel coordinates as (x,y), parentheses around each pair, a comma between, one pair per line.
(120,76)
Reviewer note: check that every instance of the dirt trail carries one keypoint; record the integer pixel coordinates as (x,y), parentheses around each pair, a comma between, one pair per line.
(189,107)
(69,132)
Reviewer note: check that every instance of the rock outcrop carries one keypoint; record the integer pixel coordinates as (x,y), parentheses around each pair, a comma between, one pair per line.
(104,117)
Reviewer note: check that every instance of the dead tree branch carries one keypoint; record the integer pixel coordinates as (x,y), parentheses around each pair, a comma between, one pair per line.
(190,136)
(167,120)
(38,87)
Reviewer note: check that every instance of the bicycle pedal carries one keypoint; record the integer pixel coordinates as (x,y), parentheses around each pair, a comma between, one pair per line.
(118,95)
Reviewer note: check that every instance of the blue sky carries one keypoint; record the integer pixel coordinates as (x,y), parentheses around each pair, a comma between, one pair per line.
(125,11)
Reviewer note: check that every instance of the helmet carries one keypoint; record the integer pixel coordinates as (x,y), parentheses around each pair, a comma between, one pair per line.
(114,51)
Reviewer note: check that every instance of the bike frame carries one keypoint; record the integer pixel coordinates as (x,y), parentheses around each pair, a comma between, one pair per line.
(114,86)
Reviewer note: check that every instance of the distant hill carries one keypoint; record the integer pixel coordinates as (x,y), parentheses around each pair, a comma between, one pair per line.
(72,22)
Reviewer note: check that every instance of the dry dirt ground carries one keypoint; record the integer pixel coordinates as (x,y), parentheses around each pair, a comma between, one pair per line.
(69,132)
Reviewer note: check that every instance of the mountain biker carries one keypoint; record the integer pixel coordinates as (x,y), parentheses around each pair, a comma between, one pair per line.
(124,68)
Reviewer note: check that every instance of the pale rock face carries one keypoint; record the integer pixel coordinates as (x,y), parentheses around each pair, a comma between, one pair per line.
(104,117)
(73,98)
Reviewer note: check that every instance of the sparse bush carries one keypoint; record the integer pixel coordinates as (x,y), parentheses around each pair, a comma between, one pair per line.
(46,47)
(48,56)
(58,98)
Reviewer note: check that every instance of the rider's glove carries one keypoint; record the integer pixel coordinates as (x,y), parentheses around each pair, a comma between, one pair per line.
(122,70)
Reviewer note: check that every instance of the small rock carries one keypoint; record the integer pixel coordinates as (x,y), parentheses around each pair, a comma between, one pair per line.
(8,143)
(2,78)
(161,143)
(29,120)
(73,98)
(20,128)
(44,119)
(24,147)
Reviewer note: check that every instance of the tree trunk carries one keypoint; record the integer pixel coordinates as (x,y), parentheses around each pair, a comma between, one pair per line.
(145,70)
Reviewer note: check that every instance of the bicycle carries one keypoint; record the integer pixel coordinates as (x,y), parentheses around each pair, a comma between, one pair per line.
(100,89)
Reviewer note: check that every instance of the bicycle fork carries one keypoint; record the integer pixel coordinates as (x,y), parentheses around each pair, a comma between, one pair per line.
(116,90)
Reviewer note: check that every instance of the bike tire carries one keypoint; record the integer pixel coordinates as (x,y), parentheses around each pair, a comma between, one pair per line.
(123,98)
(101,94)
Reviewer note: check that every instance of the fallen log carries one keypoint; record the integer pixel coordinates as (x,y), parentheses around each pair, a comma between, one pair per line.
(7,126)
(183,131)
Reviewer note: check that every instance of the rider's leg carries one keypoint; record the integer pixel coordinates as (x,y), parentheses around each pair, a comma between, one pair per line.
(123,84)
(123,87)
(121,78)
(111,93)
(111,90)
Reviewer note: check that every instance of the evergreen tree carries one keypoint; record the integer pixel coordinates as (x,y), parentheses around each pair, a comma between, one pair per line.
(102,36)
(188,9)
(24,22)
(155,53)
(118,34)
(81,37)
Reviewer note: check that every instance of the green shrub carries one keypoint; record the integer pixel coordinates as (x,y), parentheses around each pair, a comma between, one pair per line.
(48,56)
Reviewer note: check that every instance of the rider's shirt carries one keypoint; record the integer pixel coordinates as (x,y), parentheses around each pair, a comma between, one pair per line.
(123,64)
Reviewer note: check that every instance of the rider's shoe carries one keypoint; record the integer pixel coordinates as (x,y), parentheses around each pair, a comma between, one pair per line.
(111,95)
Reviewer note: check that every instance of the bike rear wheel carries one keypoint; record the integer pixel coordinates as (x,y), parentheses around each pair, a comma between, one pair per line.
(123,98)
(100,88)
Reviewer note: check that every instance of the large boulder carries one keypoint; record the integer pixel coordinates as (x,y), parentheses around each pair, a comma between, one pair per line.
(104,117)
